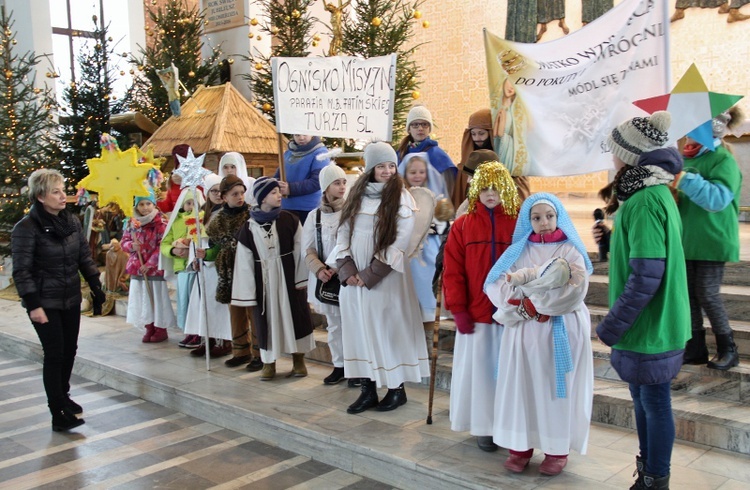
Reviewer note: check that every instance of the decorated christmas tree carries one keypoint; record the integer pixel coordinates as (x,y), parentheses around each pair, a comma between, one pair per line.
(27,130)
(382,27)
(87,102)
(291,25)
(175,39)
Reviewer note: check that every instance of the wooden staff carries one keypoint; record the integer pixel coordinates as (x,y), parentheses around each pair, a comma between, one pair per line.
(282,169)
(435,340)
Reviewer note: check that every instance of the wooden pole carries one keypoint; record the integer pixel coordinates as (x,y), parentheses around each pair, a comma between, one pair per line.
(435,340)
(282,170)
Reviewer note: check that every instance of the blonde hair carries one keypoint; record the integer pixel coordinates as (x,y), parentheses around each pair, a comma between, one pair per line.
(41,182)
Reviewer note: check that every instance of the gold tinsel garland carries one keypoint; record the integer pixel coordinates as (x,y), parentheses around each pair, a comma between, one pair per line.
(494,175)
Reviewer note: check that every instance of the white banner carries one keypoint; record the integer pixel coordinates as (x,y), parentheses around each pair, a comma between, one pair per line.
(554,104)
(338,97)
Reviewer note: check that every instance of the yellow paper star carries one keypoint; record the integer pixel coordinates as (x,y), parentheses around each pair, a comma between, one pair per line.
(118,177)
(148,157)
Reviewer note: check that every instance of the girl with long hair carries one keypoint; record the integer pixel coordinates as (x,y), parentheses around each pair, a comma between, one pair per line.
(382,336)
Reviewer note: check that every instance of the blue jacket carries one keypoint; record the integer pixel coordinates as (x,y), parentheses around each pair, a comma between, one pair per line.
(302,169)
(438,158)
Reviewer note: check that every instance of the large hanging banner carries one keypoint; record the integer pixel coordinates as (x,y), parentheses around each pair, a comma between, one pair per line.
(554,104)
(337,96)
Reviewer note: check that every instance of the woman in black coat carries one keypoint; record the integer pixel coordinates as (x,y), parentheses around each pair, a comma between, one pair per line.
(48,251)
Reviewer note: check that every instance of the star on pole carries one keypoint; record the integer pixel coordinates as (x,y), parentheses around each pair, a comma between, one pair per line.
(692,106)
(117,176)
(191,169)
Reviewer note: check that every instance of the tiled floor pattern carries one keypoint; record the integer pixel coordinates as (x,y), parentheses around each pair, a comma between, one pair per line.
(129,443)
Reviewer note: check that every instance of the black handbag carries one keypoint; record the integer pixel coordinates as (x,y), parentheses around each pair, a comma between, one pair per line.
(325,292)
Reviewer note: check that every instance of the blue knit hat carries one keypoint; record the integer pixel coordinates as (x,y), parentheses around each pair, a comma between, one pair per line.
(262,187)
(151,197)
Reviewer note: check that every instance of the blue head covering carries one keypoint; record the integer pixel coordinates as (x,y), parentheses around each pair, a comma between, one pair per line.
(563,357)
(435,181)
(524,230)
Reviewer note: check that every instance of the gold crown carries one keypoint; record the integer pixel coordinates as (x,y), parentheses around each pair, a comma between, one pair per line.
(511,61)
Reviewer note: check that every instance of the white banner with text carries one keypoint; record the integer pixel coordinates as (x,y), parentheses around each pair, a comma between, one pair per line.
(337,97)
(554,104)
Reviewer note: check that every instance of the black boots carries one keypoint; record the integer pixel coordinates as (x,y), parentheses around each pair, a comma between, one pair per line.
(72,406)
(336,376)
(726,353)
(393,399)
(647,481)
(64,419)
(367,399)
(696,351)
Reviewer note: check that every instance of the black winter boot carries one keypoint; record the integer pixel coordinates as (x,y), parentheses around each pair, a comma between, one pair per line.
(726,356)
(647,481)
(368,398)
(696,351)
(640,464)
(63,420)
(393,399)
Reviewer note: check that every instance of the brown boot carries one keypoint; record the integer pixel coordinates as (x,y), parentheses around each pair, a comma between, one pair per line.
(736,16)
(268,372)
(299,370)
(678,14)
(724,8)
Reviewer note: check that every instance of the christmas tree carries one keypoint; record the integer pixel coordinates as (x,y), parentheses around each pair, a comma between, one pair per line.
(27,130)
(383,27)
(175,39)
(87,102)
(291,25)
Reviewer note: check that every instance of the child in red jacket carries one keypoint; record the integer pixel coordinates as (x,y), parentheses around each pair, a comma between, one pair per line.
(475,242)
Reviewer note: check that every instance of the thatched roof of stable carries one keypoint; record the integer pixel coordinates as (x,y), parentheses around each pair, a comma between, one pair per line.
(216,120)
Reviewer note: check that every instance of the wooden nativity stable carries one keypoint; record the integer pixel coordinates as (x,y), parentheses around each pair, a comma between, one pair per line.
(216,120)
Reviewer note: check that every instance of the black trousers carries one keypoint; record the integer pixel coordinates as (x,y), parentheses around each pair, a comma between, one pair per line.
(59,338)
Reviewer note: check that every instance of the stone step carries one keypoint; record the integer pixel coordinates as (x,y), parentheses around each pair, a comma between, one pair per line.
(740,328)
(736,297)
(731,385)
(715,422)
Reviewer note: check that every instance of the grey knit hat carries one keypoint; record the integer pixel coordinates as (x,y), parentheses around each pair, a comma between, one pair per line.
(379,152)
(418,113)
(639,135)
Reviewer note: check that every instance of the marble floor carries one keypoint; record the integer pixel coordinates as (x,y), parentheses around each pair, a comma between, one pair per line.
(129,443)
(155,417)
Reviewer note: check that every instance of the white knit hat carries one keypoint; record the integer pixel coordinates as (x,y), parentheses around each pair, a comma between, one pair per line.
(329,173)
(379,152)
(209,181)
(639,135)
(418,113)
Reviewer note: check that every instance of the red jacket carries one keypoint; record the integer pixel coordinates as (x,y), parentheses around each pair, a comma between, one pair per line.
(475,242)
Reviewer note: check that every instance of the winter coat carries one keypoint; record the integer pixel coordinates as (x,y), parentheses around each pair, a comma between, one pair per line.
(475,242)
(46,265)
(149,236)
(302,170)
(222,231)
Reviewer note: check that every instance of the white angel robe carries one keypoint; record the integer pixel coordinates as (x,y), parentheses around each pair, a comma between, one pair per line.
(382,329)
(527,412)
(277,305)
(213,320)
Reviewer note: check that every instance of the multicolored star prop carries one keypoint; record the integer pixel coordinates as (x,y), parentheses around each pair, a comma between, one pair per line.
(191,169)
(117,176)
(692,107)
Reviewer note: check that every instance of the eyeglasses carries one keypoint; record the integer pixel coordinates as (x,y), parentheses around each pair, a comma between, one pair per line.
(215,192)
(417,125)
